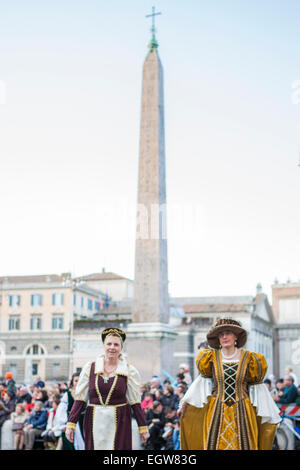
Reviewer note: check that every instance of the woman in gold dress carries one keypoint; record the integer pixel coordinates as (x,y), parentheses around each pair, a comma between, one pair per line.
(228,407)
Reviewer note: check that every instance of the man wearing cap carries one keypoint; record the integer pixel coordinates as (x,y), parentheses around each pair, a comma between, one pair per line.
(10,384)
(228,407)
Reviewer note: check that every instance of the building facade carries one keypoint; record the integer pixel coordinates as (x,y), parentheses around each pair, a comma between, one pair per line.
(286,308)
(36,324)
(254,313)
(50,325)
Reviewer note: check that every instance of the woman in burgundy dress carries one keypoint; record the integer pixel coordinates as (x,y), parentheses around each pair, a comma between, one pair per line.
(111,388)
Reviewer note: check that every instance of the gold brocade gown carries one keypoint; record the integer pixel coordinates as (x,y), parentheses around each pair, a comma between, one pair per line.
(228,420)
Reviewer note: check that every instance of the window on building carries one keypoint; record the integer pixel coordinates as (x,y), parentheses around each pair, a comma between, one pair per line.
(78,370)
(90,304)
(97,306)
(74,300)
(56,369)
(56,348)
(35,368)
(36,322)
(36,300)
(14,322)
(58,299)
(13,348)
(13,369)
(57,322)
(14,300)
(35,349)
(82,302)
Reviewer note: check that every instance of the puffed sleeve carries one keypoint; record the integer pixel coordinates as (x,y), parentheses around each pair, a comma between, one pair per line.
(133,396)
(259,395)
(257,368)
(82,389)
(81,396)
(133,393)
(204,362)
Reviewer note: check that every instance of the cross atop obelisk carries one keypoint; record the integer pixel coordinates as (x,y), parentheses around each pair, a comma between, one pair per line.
(153,43)
(150,337)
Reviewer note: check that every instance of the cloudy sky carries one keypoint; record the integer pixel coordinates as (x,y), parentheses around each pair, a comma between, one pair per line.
(70,92)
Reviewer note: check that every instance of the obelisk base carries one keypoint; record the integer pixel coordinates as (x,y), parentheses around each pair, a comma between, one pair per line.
(150,348)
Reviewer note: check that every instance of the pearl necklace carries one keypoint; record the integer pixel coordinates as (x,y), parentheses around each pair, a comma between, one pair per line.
(229,357)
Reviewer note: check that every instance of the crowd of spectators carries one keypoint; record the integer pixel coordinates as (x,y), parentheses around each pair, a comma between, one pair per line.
(34,410)
(285,390)
(160,403)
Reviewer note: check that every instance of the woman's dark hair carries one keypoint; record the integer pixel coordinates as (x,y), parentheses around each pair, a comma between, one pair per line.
(156,404)
(76,374)
(180,376)
(44,395)
(169,388)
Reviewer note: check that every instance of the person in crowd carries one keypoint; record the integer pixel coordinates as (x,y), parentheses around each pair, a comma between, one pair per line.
(145,388)
(52,431)
(9,403)
(184,369)
(64,387)
(268,384)
(155,385)
(279,386)
(38,382)
(2,416)
(289,371)
(10,384)
(2,389)
(157,395)
(62,414)
(180,380)
(42,395)
(298,397)
(29,407)
(155,420)
(289,392)
(171,424)
(169,398)
(35,390)
(23,396)
(35,425)
(57,390)
(147,402)
(180,392)
(228,393)
(19,418)
(110,382)
(52,395)
(166,382)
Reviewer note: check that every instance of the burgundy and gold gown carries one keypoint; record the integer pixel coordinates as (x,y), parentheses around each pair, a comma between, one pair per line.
(107,421)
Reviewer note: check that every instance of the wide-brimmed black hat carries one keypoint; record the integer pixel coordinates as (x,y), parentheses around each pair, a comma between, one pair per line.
(113,331)
(226,324)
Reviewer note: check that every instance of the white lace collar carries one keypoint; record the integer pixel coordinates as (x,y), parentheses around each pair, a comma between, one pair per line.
(121,369)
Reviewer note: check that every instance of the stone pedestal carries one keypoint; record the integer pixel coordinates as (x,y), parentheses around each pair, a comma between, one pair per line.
(150,348)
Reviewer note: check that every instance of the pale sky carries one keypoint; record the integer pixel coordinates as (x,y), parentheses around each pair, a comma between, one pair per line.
(70,93)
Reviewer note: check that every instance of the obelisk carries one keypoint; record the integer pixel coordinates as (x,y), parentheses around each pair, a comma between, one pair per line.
(150,338)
